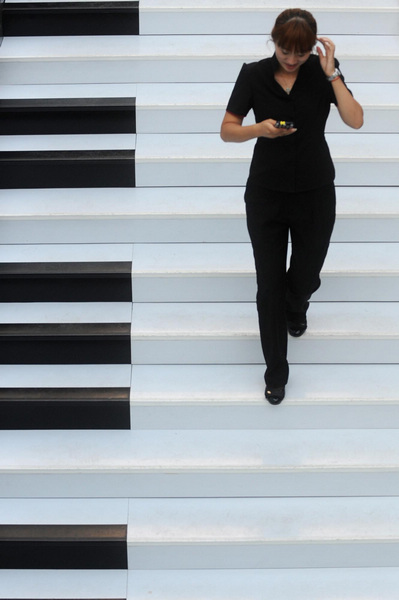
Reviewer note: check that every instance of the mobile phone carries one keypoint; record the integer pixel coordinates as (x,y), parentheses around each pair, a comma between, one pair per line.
(284,124)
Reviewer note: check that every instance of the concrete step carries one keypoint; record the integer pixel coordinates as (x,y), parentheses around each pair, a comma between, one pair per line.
(41,534)
(167,107)
(227,333)
(65,333)
(66,273)
(281,584)
(169,58)
(229,396)
(163,215)
(245,533)
(232,397)
(231,16)
(198,464)
(181,273)
(203,159)
(68,161)
(225,272)
(199,108)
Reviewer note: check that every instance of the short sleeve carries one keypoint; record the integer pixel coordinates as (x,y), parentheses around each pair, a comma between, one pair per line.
(240,102)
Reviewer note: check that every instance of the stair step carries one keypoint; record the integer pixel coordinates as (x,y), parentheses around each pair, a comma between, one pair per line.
(199,108)
(225,272)
(232,397)
(168,58)
(43,534)
(282,533)
(64,408)
(67,115)
(70,18)
(59,333)
(161,107)
(227,333)
(281,584)
(173,215)
(197,463)
(232,17)
(66,282)
(203,159)
(66,273)
(79,584)
(68,161)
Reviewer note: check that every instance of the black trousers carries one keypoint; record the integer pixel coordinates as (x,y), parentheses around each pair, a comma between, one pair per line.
(272,217)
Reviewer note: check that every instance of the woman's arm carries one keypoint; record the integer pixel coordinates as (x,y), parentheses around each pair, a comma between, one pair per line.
(232,129)
(349,109)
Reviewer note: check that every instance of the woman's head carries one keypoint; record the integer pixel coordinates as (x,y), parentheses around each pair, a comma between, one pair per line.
(295,30)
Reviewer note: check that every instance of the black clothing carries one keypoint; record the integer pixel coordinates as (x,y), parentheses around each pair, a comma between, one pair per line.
(309,217)
(290,191)
(300,161)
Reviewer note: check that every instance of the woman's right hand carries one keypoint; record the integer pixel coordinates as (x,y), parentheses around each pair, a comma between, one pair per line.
(233,130)
(268,129)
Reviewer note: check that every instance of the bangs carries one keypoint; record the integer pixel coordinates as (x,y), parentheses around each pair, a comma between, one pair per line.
(295,36)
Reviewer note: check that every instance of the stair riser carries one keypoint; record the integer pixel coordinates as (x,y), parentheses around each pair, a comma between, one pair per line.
(352,288)
(259,556)
(129,230)
(57,18)
(217,172)
(63,121)
(169,484)
(247,351)
(198,120)
(64,415)
(66,289)
(55,351)
(261,21)
(167,71)
(247,416)
(67,170)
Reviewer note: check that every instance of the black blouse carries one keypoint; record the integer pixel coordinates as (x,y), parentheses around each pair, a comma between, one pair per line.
(296,162)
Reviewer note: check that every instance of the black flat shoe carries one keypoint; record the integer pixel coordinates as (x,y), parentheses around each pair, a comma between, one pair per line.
(275,395)
(296,329)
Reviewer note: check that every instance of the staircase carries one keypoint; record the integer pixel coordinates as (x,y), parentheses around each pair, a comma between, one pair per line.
(138,457)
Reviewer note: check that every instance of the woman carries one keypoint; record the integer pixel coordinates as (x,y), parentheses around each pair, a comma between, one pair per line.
(290,189)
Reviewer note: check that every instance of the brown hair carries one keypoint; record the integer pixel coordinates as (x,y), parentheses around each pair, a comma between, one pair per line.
(295,30)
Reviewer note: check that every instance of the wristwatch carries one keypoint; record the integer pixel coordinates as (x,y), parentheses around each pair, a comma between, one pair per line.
(337,73)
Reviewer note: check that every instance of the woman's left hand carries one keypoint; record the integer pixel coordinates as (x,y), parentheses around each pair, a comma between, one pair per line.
(327,61)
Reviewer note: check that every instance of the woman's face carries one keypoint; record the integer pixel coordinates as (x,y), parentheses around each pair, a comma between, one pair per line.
(290,61)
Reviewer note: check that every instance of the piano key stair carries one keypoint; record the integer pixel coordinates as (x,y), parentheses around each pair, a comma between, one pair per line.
(139,457)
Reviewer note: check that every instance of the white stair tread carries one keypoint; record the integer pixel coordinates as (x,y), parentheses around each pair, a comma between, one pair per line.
(192,202)
(186,148)
(260,521)
(65,376)
(243,384)
(225,259)
(71,511)
(66,312)
(88,90)
(197,451)
(259,5)
(258,584)
(251,47)
(222,320)
(56,584)
(65,253)
(17,143)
